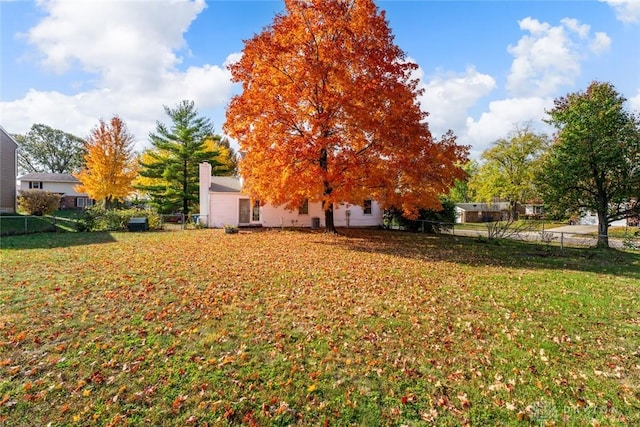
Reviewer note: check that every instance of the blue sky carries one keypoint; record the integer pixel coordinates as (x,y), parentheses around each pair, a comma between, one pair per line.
(486,66)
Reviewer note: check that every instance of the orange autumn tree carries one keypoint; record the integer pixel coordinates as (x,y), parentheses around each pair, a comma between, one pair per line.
(329,112)
(110,163)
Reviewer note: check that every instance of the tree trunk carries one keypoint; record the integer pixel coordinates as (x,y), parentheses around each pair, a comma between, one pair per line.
(185,186)
(328,219)
(603,229)
(328,207)
(514,211)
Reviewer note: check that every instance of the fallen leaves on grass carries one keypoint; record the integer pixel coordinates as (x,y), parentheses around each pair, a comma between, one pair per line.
(275,327)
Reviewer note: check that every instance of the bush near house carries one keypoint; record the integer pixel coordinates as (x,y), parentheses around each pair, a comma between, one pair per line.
(429,220)
(38,202)
(97,218)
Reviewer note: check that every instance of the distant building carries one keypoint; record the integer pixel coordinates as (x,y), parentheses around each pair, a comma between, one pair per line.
(8,171)
(482,212)
(61,183)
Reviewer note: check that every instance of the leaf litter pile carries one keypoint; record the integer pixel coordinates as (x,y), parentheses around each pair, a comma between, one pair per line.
(290,327)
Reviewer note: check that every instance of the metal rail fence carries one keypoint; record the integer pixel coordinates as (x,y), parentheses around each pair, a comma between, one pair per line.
(533,232)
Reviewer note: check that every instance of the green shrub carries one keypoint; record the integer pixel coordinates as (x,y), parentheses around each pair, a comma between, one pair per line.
(434,221)
(38,202)
(97,218)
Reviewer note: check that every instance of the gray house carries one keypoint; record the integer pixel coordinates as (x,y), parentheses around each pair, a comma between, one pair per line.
(8,170)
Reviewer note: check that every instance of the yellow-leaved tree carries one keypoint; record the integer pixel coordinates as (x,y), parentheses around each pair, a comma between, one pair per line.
(110,163)
(329,112)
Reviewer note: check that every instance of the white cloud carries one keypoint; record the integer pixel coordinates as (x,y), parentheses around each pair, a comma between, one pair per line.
(131,48)
(600,43)
(448,97)
(502,117)
(115,39)
(626,10)
(574,25)
(634,103)
(549,56)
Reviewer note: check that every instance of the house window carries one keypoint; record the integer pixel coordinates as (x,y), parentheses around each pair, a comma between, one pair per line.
(304,208)
(367,207)
(255,211)
(35,185)
(84,202)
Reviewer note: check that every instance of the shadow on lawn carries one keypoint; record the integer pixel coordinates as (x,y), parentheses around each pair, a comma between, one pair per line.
(54,240)
(506,253)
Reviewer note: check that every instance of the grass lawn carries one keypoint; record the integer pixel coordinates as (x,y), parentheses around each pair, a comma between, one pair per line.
(283,327)
(622,232)
(20,224)
(11,224)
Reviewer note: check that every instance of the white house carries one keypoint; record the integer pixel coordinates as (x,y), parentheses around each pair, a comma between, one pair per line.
(61,183)
(222,202)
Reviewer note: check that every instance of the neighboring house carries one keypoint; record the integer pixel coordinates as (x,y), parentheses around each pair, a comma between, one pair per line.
(223,203)
(591,218)
(61,183)
(8,171)
(533,210)
(482,212)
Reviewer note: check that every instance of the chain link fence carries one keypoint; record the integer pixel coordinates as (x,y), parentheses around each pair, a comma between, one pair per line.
(27,224)
(180,221)
(533,232)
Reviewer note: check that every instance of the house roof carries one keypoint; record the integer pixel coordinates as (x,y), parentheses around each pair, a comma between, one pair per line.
(485,207)
(49,177)
(225,184)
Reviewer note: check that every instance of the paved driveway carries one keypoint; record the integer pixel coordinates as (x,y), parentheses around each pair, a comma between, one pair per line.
(575,229)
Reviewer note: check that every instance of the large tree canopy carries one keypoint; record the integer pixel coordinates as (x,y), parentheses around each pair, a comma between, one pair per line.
(328,112)
(44,149)
(171,167)
(110,163)
(509,167)
(594,162)
(461,192)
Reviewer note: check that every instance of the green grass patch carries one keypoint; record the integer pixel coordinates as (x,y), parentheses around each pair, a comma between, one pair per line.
(283,327)
(622,232)
(24,224)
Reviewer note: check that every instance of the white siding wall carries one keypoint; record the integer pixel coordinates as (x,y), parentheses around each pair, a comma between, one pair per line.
(357,217)
(223,209)
(56,187)
(278,216)
(205,184)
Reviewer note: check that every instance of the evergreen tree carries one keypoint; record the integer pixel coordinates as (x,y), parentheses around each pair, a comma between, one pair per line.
(173,163)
